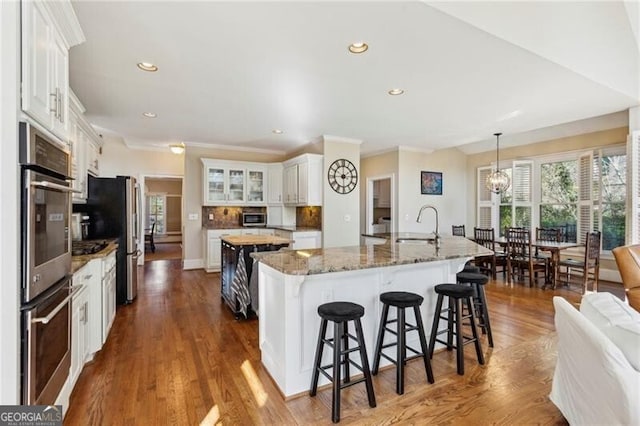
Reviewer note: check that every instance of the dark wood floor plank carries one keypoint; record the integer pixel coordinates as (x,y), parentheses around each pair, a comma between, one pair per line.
(178,356)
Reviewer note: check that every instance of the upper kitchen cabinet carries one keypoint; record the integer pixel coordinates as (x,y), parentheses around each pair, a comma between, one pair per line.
(233,183)
(302,180)
(275,183)
(49,29)
(85,145)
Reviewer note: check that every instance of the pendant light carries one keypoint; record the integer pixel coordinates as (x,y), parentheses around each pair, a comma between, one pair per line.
(498,181)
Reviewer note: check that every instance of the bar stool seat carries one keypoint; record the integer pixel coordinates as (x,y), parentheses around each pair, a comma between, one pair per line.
(478,281)
(456,295)
(341,313)
(401,300)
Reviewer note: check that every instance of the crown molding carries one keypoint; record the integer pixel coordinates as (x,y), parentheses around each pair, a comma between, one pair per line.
(66,21)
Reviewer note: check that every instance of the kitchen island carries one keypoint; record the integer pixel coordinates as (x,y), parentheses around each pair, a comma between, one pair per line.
(237,267)
(293,283)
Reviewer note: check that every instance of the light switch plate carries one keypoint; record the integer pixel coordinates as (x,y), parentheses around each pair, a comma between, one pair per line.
(193,216)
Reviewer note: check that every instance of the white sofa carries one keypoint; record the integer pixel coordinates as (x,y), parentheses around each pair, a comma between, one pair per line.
(597,376)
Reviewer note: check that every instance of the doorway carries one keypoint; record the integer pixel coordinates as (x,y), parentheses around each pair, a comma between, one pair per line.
(162,218)
(381,216)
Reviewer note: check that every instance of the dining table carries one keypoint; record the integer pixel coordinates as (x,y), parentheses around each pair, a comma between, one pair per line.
(553,247)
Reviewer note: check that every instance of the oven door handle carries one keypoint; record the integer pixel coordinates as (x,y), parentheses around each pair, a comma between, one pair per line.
(51,185)
(45,320)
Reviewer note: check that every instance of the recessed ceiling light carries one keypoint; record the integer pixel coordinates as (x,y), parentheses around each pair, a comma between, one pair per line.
(358,47)
(147,66)
(395,92)
(150,114)
(277,131)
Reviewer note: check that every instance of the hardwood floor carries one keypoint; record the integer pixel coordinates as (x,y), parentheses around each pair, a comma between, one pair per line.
(177,356)
(164,251)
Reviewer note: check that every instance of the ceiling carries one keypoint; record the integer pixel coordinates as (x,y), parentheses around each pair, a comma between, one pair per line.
(231,72)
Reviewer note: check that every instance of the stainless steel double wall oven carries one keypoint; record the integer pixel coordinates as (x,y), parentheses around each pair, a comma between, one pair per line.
(45,266)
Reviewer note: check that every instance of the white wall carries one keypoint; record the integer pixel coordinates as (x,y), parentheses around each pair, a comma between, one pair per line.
(340,212)
(9,213)
(118,159)
(451,205)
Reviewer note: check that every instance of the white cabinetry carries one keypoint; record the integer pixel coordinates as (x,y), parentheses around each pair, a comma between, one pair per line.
(275,183)
(84,144)
(79,327)
(301,239)
(213,256)
(49,29)
(302,180)
(233,183)
(382,193)
(108,293)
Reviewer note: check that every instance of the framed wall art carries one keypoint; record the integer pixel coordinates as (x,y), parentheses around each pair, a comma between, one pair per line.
(431,183)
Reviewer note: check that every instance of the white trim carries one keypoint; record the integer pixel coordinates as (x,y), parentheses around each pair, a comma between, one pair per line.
(66,21)
(234,148)
(341,139)
(193,264)
(610,275)
(415,149)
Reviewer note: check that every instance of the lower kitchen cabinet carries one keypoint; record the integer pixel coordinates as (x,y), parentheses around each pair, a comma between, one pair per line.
(212,256)
(108,293)
(79,330)
(301,239)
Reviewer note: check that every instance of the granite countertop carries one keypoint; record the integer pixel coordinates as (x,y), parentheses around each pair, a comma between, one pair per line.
(78,262)
(250,240)
(291,228)
(390,253)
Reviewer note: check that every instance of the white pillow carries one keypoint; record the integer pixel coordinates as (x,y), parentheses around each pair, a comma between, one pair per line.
(627,338)
(605,309)
(617,320)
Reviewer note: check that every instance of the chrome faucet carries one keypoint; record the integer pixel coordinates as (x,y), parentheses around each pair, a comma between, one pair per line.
(419,219)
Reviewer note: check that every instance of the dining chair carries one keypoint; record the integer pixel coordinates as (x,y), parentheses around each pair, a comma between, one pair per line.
(547,235)
(589,266)
(458,230)
(488,264)
(628,261)
(148,238)
(520,256)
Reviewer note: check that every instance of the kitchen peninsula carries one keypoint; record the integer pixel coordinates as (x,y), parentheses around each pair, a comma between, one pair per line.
(293,283)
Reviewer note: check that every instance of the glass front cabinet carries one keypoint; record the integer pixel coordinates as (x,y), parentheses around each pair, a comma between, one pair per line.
(233,183)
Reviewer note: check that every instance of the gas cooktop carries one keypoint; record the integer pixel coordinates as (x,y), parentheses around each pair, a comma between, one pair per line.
(79,248)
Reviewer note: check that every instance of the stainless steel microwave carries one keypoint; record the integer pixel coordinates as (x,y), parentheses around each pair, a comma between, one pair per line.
(254,219)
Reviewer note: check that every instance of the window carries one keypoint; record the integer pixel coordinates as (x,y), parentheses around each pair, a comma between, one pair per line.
(575,192)
(613,169)
(156,212)
(559,197)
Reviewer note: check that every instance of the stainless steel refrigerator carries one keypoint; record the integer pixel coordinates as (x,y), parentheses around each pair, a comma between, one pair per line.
(113,206)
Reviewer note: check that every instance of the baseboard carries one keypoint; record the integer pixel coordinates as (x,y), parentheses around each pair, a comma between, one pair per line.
(193,264)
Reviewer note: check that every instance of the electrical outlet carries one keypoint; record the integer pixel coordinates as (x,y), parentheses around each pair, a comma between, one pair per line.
(406,217)
(347,218)
(210,216)
(193,216)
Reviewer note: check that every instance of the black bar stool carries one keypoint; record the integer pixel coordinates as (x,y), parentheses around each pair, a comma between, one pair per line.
(456,294)
(340,313)
(401,300)
(478,281)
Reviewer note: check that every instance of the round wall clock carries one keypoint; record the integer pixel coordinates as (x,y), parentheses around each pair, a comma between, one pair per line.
(343,176)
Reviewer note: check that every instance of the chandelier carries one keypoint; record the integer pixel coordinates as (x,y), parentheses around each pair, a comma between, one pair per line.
(497,181)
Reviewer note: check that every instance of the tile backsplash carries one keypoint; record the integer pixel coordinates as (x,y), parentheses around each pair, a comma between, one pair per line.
(309,217)
(226,217)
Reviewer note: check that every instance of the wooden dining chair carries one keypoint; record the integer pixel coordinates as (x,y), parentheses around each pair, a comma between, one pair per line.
(589,266)
(458,230)
(489,264)
(547,235)
(148,238)
(520,256)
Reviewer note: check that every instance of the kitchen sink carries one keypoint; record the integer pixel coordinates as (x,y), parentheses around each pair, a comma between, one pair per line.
(415,240)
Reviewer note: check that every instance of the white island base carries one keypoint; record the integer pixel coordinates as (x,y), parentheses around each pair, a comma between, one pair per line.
(289,321)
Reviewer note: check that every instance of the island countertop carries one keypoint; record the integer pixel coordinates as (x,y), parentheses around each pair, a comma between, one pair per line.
(251,240)
(390,253)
